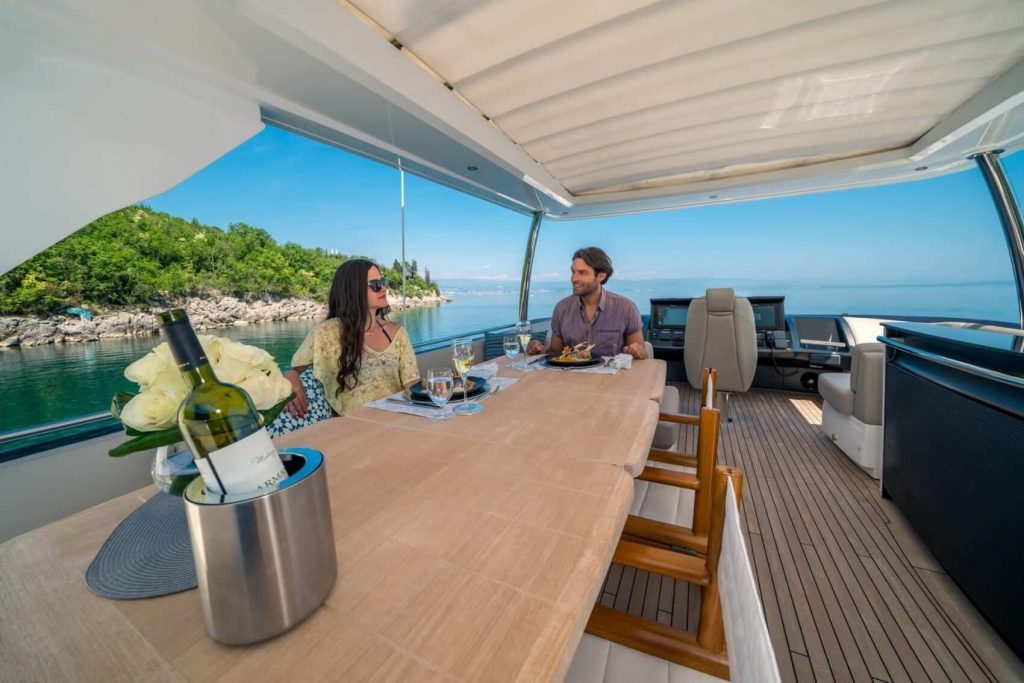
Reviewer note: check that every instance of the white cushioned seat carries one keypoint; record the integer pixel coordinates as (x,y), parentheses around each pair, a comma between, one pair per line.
(600,660)
(834,387)
(666,435)
(853,405)
(661,502)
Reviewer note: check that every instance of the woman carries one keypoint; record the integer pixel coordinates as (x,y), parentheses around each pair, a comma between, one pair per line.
(357,354)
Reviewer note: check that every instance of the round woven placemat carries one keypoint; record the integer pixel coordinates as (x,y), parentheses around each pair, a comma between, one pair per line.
(149,554)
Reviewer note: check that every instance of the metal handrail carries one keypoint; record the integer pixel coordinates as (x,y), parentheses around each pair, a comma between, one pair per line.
(438,343)
(51,427)
(7,438)
(969,368)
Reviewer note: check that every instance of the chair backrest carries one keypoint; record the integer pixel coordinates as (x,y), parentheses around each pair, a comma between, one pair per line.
(707,457)
(708,387)
(751,657)
(866,382)
(720,334)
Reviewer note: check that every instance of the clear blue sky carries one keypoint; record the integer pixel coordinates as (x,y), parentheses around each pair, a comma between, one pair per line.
(938,230)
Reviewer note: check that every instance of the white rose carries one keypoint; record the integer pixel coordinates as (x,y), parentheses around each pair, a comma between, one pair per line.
(239,361)
(211,347)
(145,370)
(152,410)
(266,391)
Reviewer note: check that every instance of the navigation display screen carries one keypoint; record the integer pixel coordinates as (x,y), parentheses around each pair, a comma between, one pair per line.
(765,317)
(769,313)
(671,316)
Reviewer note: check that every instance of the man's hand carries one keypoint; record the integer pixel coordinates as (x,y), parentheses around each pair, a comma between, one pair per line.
(534,347)
(636,349)
(298,406)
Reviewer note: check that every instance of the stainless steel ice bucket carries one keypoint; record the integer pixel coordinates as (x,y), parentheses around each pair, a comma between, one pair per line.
(264,561)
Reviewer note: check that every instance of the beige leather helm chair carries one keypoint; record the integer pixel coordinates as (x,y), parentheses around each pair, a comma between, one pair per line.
(720,334)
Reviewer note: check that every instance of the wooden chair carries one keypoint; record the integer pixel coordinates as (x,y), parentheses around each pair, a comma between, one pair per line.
(708,395)
(671,505)
(622,647)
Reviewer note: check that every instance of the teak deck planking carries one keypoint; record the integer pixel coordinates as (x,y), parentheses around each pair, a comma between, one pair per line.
(849,593)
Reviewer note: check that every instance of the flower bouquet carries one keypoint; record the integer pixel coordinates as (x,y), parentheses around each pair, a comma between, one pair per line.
(150,417)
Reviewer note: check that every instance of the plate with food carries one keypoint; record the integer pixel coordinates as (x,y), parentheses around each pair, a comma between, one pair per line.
(579,356)
(476,386)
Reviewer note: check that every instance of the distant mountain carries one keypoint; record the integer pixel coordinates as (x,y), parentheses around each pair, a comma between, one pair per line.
(138,257)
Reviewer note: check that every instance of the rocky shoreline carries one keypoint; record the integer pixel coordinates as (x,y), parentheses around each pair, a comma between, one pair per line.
(205,313)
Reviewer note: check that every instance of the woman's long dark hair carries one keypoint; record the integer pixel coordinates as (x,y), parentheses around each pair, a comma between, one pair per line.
(347,303)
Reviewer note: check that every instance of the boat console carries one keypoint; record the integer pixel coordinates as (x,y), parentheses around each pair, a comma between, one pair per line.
(791,350)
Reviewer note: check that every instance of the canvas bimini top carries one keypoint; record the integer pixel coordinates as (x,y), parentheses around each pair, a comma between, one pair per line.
(577,109)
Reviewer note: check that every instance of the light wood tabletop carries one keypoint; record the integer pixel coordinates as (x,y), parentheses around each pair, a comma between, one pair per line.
(471,550)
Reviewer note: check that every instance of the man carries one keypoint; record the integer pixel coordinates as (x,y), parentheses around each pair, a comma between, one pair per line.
(593,314)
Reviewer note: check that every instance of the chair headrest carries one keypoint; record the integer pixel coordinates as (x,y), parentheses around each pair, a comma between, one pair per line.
(720,299)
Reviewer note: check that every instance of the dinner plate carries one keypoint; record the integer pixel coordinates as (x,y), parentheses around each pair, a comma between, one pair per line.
(477,386)
(554,362)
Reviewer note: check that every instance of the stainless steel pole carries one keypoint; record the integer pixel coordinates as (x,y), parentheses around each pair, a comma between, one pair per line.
(401,207)
(1009,214)
(524,283)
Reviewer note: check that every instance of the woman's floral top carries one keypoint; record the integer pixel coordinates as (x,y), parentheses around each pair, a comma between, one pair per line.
(382,372)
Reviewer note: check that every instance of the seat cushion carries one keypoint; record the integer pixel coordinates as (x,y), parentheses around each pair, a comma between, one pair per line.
(661,502)
(599,660)
(667,433)
(834,387)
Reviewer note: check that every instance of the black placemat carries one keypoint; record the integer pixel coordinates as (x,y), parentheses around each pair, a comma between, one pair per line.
(149,554)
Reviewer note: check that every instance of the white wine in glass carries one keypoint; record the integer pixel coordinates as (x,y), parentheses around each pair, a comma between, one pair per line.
(462,359)
(524,330)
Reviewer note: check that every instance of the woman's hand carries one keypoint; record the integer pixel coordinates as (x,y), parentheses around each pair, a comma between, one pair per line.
(534,347)
(298,406)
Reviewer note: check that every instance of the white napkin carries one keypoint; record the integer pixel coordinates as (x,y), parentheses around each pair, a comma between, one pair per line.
(485,370)
(622,361)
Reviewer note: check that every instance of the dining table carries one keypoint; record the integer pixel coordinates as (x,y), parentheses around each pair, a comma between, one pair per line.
(471,549)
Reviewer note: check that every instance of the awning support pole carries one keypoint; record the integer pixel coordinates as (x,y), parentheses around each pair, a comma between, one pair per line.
(1009,214)
(524,283)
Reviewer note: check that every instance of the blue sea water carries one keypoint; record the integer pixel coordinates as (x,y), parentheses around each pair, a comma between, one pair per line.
(49,383)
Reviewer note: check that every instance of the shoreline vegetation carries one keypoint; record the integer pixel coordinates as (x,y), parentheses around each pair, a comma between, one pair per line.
(205,313)
(125,266)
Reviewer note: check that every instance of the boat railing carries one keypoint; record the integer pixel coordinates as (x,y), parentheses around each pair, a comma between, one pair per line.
(434,344)
(39,438)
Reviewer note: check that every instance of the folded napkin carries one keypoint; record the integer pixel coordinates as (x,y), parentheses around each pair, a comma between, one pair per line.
(485,370)
(622,361)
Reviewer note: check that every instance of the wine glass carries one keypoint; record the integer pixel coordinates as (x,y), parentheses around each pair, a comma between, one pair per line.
(524,330)
(511,344)
(438,386)
(462,358)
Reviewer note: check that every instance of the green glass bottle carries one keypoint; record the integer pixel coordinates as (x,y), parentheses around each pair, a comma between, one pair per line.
(232,449)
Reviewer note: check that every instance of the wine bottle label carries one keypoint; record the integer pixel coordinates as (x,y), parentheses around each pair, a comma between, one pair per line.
(251,464)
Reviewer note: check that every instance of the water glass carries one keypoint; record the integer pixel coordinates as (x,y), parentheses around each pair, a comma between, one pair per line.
(463,351)
(438,385)
(511,344)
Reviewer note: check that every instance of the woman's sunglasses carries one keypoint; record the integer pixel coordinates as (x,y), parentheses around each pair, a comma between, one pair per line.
(377,285)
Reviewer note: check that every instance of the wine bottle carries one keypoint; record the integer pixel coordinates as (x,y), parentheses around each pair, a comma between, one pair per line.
(232,449)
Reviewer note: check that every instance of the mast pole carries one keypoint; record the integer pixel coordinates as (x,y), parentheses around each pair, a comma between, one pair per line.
(401,211)
(524,282)
(1009,214)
